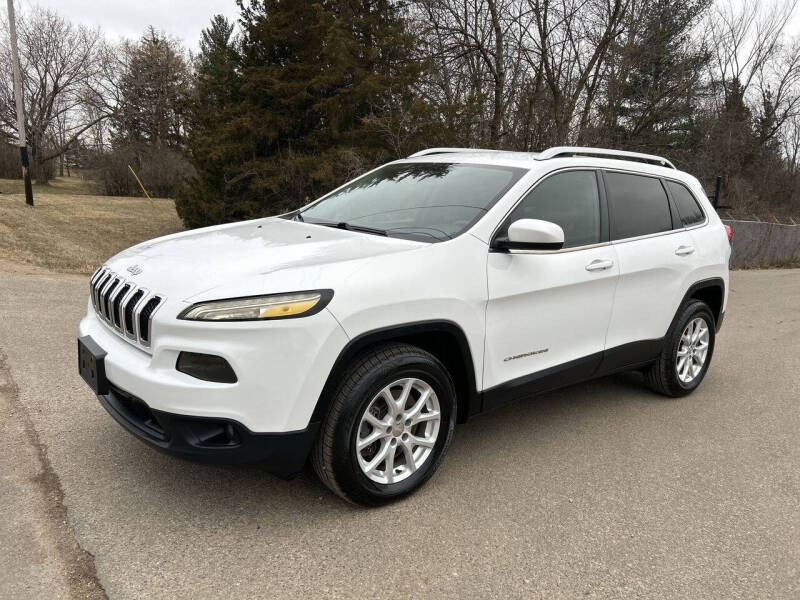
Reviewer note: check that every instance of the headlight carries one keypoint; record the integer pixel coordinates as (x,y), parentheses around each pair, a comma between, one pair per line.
(256,308)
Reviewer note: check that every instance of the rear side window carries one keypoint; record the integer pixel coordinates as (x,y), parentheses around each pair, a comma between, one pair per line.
(688,208)
(638,205)
(569,199)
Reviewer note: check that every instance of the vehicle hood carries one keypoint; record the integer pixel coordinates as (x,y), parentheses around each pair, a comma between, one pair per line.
(237,259)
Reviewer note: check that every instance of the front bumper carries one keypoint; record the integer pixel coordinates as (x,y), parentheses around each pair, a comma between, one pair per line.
(281,367)
(211,440)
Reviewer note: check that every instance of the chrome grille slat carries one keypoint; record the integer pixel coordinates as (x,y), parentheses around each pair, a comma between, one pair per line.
(95,276)
(101,283)
(98,275)
(125,288)
(137,311)
(118,301)
(130,305)
(146,318)
(106,304)
(101,294)
(95,286)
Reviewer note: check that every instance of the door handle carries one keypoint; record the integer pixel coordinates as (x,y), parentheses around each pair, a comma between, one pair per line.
(599,265)
(684,250)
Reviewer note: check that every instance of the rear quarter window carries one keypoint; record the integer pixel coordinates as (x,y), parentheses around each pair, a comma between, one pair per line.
(688,207)
(638,205)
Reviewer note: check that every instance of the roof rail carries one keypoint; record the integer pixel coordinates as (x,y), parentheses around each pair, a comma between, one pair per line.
(560,151)
(429,151)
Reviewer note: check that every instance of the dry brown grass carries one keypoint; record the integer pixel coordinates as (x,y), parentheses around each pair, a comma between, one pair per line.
(57,185)
(74,233)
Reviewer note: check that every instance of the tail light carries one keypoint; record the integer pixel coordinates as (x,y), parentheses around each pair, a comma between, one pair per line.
(729,231)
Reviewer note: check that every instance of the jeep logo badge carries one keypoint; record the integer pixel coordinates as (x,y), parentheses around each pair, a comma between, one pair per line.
(134,269)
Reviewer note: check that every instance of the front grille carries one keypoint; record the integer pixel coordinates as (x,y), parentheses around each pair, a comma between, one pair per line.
(125,307)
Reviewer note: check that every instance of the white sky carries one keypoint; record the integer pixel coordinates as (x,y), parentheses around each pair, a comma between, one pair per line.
(184,19)
(793,27)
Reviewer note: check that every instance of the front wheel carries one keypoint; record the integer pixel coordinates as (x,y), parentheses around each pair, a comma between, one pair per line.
(687,352)
(388,427)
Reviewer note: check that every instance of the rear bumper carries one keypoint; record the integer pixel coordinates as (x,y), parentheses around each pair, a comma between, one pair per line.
(209,440)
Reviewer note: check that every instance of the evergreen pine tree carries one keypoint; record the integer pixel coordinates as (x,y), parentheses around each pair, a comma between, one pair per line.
(311,80)
(203,200)
(153,91)
(652,99)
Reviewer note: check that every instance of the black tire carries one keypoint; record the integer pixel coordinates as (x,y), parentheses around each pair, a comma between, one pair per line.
(662,377)
(334,456)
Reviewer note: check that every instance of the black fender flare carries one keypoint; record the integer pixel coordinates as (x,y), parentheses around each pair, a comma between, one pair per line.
(470,401)
(710,283)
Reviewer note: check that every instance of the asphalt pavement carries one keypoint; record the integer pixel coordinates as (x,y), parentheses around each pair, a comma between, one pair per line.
(601,490)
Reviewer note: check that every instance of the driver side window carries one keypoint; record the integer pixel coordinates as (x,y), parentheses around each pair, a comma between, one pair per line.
(569,199)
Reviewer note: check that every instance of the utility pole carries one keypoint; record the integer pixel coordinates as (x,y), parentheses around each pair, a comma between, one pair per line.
(23,142)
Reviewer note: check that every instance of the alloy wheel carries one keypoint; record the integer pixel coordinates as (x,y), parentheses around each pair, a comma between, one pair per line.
(398,430)
(692,350)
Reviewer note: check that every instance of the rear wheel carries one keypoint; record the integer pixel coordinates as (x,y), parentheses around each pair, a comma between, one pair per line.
(388,426)
(687,352)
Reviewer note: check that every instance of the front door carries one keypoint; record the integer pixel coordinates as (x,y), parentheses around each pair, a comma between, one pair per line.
(548,311)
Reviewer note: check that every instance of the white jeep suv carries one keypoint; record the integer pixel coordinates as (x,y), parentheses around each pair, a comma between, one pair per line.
(358,330)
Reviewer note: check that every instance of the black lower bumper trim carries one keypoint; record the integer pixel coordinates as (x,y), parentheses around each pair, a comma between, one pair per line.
(210,440)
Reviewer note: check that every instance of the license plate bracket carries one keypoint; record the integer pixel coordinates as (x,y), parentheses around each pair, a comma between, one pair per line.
(91,365)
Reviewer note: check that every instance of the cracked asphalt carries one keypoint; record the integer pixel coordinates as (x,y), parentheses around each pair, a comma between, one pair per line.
(601,490)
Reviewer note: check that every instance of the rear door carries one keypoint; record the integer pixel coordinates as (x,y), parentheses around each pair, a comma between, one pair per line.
(548,311)
(656,258)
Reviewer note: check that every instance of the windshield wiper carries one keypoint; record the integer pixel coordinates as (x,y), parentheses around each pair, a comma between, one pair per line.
(351,227)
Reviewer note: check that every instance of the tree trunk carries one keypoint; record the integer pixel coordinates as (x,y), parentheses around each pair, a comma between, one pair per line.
(499,79)
(39,166)
(42,176)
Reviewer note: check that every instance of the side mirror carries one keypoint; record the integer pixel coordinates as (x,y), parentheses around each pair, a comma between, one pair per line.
(531,234)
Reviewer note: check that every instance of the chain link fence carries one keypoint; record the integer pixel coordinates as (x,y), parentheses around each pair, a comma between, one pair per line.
(760,244)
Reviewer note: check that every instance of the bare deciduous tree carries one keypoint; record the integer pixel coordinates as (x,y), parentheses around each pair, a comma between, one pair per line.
(571,41)
(745,37)
(506,62)
(476,54)
(778,84)
(62,72)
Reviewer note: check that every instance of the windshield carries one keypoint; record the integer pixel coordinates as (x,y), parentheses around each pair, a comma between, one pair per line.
(426,201)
